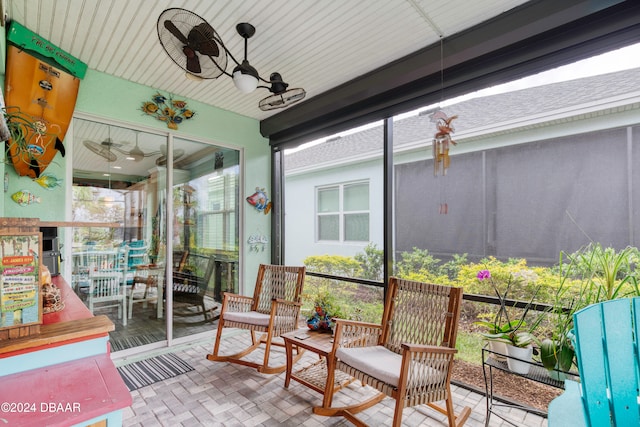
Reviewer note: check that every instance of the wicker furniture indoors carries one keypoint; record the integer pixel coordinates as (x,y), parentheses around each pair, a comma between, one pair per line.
(408,357)
(273,311)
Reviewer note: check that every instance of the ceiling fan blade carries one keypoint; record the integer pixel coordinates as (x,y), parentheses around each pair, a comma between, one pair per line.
(101,150)
(294,95)
(162,160)
(109,142)
(209,48)
(206,30)
(282,100)
(137,154)
(175,31)
(202,39)
(193,63)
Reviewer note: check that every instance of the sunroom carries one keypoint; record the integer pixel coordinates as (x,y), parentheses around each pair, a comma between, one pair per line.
(343,179)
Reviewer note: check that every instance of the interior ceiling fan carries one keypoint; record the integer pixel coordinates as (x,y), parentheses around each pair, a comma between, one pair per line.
(197,48)
(102,149)
(107,147)
(162,160)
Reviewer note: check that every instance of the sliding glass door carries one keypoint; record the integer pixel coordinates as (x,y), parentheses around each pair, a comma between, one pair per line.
(161,214)
(204,232)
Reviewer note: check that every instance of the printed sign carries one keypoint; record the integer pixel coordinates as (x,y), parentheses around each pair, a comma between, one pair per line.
(19,279)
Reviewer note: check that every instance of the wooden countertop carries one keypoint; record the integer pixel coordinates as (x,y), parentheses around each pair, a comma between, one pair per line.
(74,308)
(74,323)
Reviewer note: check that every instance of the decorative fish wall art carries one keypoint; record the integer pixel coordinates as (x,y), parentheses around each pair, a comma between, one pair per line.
(24,198)
(48,181)
(260,201)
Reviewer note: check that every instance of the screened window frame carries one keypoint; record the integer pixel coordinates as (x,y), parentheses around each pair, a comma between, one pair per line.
(502,49)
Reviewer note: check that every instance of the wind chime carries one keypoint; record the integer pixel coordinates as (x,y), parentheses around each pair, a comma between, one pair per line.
(442,139)
(440,145)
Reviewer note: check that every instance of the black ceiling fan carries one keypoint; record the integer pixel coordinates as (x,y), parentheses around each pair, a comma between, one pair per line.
(197,48)
(192,43)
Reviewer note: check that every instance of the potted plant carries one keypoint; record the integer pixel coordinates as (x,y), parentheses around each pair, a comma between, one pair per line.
(557,355)
(520,351)
(592,274)
(506,336)
(496,333)
(326,307)
(498,330)
(500,323)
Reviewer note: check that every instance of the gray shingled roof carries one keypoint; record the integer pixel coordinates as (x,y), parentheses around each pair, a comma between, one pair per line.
(474,114)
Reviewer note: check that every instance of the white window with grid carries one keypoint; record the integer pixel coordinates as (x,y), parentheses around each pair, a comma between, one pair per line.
(342,212)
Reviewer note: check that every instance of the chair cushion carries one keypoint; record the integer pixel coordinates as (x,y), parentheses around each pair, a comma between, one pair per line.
(380,363)
(250,317)
(186,288)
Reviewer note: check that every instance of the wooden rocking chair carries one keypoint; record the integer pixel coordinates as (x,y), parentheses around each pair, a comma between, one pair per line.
(409,357)
(273,310)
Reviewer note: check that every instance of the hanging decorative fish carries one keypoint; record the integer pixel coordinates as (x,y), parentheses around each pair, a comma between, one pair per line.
(260,201)
(48,181)
(24,198)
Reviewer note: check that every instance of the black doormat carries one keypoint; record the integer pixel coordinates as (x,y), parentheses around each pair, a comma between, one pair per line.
(146,372)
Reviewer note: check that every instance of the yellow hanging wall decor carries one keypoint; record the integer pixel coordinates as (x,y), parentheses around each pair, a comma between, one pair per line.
(166,109)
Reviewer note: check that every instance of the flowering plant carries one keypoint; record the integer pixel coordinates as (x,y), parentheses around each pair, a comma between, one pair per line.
(326,308)
(502,327)
(169,110)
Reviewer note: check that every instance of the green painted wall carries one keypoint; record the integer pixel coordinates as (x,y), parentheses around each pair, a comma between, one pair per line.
(112,98)
(49,204)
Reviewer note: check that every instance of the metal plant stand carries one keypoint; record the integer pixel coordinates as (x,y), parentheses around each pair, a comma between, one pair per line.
(492,360)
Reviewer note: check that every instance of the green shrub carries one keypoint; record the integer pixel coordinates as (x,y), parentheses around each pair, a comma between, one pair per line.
(591,274)
(610,274)
(356,302)
(371,262)
(337,265)
(416,265)
(420,266)
(529,281)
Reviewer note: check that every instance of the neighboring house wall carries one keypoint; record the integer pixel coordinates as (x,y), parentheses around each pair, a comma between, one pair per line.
(300,210)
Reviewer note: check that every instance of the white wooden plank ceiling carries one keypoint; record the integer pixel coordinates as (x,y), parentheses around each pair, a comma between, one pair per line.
(314,44)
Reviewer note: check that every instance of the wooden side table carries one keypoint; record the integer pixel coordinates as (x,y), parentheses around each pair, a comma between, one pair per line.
(313,376)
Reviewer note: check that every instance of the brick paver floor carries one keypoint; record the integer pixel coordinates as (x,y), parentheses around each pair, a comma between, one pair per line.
(229,395)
